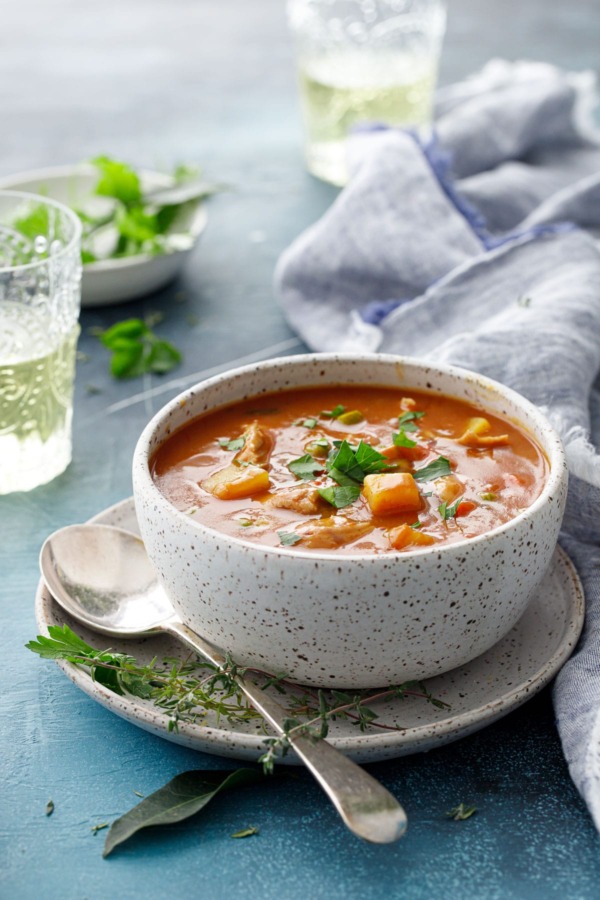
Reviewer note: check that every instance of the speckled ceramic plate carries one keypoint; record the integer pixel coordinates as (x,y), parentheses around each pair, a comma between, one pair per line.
(478,693)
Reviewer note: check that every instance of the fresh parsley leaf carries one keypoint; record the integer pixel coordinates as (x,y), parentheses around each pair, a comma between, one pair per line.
(127,329)
(305,467)
(407,420)
(136,225)
(344,460)
(370,460)
(136,350)
(341,496)
(448,512)
(162,357)
(289,538)
(117,180)
(333,413)
(235,444)
(401,440)
(341,478)
(126,361)
(437,468)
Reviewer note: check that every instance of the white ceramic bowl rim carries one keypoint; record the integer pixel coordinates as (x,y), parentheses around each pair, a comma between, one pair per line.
(554,451)
(52,172)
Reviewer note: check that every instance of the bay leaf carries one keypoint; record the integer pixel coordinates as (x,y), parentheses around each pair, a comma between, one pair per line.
(182,797)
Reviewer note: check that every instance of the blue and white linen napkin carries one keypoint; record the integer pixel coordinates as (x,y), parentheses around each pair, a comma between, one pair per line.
(480,248)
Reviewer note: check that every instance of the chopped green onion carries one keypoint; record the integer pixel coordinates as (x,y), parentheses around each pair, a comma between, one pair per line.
(489,496)
(333,413)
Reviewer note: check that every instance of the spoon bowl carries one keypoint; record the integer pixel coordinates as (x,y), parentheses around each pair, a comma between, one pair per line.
(102,577)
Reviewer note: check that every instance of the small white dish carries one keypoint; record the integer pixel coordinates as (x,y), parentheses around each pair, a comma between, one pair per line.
(112,281)
(478,693)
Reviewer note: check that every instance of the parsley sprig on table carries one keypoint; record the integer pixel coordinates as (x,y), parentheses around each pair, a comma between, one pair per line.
(136,349)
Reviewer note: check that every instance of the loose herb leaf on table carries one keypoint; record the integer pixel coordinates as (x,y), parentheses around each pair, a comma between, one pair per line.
(182,797)
(136,349)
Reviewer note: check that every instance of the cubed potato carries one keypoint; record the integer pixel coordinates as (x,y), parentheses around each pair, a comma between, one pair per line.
(476,434)
(449,488)
(405,536)
(391,492)
(233,482)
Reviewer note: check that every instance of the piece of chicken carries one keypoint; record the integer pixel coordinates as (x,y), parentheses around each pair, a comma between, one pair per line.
(300,498)
(332,532)
(258,444)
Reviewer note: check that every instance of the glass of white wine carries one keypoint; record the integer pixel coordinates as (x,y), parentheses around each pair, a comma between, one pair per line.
(363,62)
(40,289)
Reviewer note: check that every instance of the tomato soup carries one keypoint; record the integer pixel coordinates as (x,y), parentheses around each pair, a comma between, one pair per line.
(350,469)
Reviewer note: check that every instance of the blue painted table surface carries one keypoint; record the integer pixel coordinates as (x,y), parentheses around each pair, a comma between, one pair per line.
(194,80)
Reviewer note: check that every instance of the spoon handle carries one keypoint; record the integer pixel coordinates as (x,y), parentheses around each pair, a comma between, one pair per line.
(366,807)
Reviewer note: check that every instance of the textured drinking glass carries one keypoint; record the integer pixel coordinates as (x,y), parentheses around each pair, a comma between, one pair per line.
(40,288)
(363,62)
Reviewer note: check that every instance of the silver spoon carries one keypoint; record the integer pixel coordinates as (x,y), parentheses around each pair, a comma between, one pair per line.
(102,577)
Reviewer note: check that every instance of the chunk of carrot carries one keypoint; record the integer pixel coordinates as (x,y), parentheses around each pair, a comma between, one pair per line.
(399,452)
(464,508)
(405,536)
(391,492)
(233,482)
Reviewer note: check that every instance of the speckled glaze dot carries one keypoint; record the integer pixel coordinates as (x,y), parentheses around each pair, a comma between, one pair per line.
(374,620)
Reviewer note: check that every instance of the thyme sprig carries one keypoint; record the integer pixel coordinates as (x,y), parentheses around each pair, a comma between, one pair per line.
(188,690)
(326,706)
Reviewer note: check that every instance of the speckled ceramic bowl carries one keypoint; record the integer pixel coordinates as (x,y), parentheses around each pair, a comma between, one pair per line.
(351,621)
